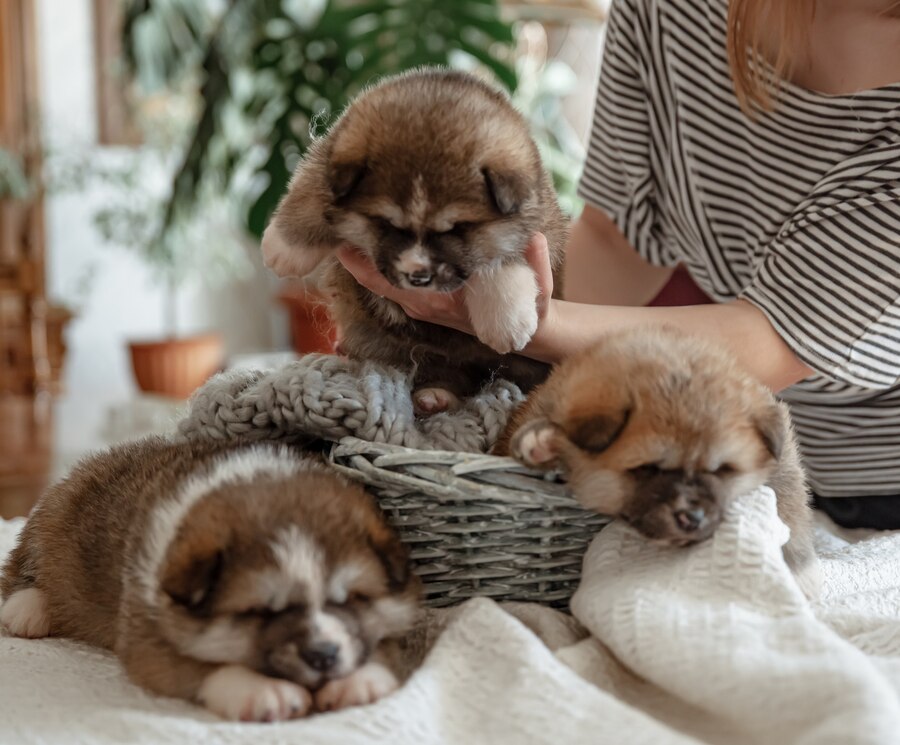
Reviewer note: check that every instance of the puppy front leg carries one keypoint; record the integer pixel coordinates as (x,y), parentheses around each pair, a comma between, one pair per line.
(299,236)
(287,260)
(502,303)
(367,684)
(233,692)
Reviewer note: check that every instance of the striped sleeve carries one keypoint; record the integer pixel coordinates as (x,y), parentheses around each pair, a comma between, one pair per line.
(830,281)
(617,176)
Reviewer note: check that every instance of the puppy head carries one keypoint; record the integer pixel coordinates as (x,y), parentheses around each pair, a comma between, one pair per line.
(658,429)
(296,578)
(433,174)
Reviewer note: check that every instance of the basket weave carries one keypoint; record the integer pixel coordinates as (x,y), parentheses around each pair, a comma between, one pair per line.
(476,525)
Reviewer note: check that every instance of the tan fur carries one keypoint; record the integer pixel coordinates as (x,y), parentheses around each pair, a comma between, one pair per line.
(439,162)
(650,424)
(241,580)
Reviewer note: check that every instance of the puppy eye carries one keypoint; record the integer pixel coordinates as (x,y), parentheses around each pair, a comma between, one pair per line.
(726,469)
(647,470)
(388,227)
(263,612)
(358,597)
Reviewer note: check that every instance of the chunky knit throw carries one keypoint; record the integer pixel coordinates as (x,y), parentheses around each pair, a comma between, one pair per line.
(325,396)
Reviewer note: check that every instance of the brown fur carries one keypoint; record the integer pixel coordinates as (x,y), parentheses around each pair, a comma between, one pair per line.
(461,143)
(87,543)
(652,424)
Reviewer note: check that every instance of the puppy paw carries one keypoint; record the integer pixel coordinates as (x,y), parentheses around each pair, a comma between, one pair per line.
(240,694)
(25,614)
(366,685)
(286,260)
(534,443)
(502,304)
(427,401)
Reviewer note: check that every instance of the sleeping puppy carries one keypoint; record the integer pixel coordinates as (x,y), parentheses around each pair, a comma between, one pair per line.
(434,176)
(662,429)
(249,579)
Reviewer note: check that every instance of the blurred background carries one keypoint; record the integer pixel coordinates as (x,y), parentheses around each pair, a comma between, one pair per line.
(143,146)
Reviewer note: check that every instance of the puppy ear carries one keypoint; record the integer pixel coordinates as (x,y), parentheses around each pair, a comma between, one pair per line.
(393,555)
(773,426)
(191,583)
(597,432)
(343,178)
(536,443)
(507,189)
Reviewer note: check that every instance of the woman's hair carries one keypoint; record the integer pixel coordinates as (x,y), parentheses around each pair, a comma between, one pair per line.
(760,32)
(766,39)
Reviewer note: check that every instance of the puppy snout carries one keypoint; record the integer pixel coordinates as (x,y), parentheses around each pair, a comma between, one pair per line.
(321,656)
(690,520)
(420,277)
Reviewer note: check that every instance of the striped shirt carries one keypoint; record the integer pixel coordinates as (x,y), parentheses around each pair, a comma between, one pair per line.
(797,212)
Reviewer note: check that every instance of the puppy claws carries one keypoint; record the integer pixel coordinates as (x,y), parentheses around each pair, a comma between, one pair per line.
(512,334)
(239,694)
(533,443)
(427,401)
(368,684)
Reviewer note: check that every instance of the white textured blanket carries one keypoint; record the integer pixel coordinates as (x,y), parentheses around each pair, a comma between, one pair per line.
(713,644)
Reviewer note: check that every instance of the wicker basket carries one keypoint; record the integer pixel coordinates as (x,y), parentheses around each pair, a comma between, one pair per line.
(476,525)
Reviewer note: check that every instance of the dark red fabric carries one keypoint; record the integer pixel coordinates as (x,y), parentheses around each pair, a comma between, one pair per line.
(680,290)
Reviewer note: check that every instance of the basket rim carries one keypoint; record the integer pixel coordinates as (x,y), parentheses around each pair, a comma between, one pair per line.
(450,477)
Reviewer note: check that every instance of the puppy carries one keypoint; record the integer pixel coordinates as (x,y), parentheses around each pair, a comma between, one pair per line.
(662,429)
(435,177)
(249,579)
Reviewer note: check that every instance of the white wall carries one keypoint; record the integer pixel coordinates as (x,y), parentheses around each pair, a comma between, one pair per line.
(122,303)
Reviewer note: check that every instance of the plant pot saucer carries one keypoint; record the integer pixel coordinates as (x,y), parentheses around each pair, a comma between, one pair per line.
(177,366)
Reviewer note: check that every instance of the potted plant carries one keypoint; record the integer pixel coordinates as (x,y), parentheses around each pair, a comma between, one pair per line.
(197,247)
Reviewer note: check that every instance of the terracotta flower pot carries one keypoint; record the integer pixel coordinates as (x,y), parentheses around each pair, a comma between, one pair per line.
(176,367)
(312,329)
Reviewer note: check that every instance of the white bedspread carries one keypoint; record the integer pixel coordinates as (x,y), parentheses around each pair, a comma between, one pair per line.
(713,644)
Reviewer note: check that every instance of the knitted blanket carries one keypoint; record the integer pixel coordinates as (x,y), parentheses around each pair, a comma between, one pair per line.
(714,644)
(329,397)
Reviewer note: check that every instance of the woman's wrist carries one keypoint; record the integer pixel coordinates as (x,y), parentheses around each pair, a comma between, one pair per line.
(552,341)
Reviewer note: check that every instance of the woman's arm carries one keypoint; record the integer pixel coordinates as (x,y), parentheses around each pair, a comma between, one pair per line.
(603,268)
(569,327)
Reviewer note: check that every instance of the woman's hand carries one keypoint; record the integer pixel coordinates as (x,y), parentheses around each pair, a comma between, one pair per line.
(442,308)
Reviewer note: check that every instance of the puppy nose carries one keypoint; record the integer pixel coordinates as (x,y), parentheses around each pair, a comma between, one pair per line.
(690,520)
(420,278)
(322,656)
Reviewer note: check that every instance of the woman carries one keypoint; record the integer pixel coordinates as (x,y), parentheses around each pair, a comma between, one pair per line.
(756,143)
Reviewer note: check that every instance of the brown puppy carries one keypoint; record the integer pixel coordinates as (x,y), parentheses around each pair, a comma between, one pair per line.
(662,429)
(434,175)
(240,577)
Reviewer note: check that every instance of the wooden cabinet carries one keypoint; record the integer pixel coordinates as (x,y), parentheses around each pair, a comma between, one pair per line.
(24,356)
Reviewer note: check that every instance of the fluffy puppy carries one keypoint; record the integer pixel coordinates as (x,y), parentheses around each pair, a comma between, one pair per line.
(249,579)
(434,175)
(662,429)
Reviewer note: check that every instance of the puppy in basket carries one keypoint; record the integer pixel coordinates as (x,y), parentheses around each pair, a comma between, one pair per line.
(249,579)
(435,177)
(662,429)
